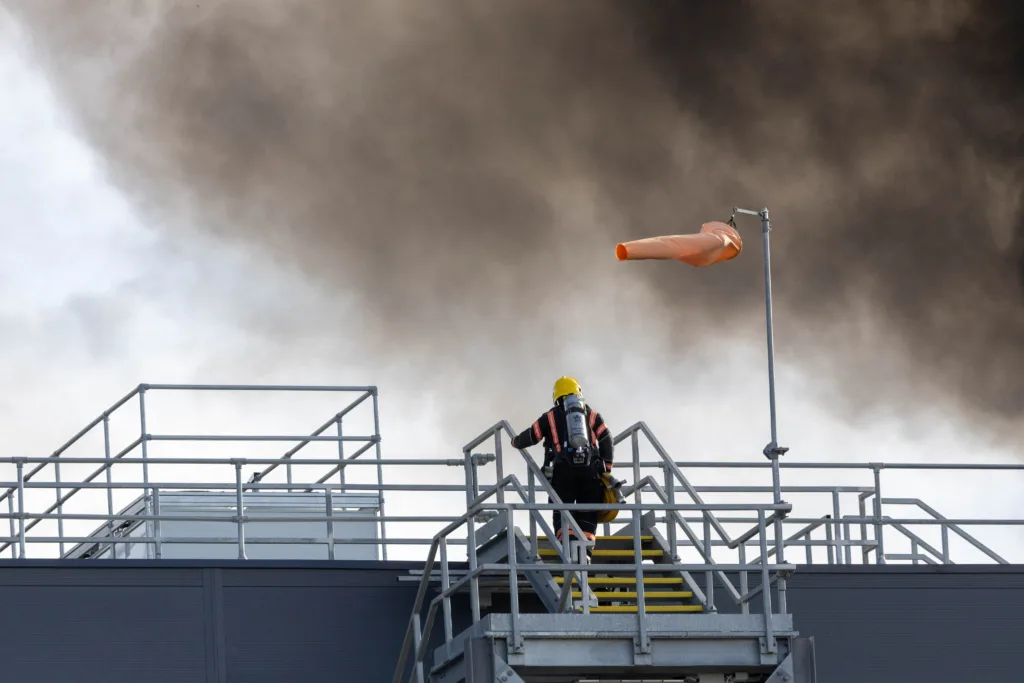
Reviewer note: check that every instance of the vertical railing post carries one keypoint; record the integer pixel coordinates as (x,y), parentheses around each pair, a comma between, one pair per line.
(446,602)
(60,506)
(847,546)
(945,544)
(10,520)
(744,579)
(144,442)
(766,584)
(513,577)
(498,465)
(474,582)
(638,569)
(532,491)
(239,507)
(341,456)
(670,521)
(21,508)
(829,545)
(329,502)
(865,548)
(380,476)
(109,466)
(879,544)
(839,526)
(808,556)
(417,637)
(157,545)
(634,440)
(914,551)
(564,545)
(709,574)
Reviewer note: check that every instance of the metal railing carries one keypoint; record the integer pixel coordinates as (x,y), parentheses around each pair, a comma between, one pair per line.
(110,487)
(417,635)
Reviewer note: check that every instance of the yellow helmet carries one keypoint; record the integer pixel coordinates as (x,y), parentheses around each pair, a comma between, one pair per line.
(565,386)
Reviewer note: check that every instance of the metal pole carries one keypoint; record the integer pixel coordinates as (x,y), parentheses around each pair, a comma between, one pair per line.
(446,603)
(144,437)
(839,528)
(329,502)
(238,510)
(709,575)
(110,480)
(879,531)
(474,583)
(341,457)
(10,508)
(772,451)
(60,506)
(380,476)
(21,509)
(158,549)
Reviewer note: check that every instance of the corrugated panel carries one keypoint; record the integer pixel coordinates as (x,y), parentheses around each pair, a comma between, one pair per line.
(234,622)
(319,634)
(115,634)
(893,629)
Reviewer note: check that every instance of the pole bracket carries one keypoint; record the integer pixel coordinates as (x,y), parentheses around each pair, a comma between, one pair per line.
(774,450)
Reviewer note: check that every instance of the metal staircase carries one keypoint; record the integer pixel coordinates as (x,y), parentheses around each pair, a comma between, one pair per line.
(633,612)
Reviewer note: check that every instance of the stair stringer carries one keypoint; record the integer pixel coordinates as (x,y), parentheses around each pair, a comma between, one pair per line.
(495,551)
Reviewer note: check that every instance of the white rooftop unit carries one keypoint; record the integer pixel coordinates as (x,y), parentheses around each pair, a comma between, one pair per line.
(269,534)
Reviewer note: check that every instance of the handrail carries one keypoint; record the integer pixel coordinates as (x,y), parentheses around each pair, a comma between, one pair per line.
(73,440)
(674,469)
(531,464)
(473,508)
(317,432)
(826,519)
(953,527)
(415,640)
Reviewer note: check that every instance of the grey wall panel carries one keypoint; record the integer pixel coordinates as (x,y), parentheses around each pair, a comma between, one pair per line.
(302,622)
(116,626)
(892,625)
(331,625)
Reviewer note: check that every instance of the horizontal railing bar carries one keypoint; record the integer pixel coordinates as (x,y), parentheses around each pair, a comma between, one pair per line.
(708,464)
(162,460)
(227,540)
(222,487)
(258,387)
(258,437)
(247,518)
(74,439)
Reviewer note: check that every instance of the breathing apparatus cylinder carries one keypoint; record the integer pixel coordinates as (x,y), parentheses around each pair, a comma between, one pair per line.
(576,421)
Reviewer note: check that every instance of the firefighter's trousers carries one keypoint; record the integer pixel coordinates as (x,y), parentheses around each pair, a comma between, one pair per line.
(577,485)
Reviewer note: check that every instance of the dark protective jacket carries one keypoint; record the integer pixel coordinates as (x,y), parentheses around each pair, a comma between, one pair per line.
(551,429)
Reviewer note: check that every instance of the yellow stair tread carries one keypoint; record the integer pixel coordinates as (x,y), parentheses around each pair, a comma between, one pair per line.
(628,580)
(649,595)
(632,609)
(548,552)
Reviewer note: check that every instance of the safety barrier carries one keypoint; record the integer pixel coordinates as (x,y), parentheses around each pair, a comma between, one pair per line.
(83,499)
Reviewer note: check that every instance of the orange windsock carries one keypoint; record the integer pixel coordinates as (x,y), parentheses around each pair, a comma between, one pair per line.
(716,242)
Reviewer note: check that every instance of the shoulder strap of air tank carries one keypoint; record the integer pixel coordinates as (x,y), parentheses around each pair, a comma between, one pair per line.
(555,438)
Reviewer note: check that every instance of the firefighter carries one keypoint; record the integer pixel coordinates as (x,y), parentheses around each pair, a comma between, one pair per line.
(578,449)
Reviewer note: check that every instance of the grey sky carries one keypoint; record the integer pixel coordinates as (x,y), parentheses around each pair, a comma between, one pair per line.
(94,299)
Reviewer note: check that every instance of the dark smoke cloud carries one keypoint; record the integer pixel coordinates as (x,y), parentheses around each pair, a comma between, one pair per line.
(451,161)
